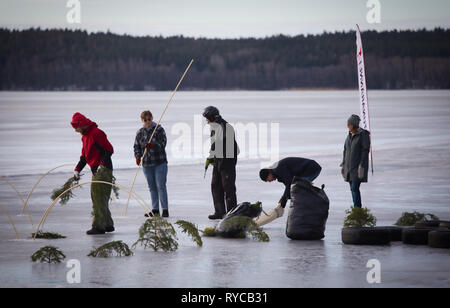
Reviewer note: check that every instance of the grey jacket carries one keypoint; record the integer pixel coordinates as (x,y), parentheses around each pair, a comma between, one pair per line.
(355,163)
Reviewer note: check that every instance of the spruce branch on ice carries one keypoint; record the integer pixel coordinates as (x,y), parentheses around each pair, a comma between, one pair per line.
(157,233)
(257,232)
(111,249)
(190,229)
(48,254)
(47,235)
(410,219)
(248,227)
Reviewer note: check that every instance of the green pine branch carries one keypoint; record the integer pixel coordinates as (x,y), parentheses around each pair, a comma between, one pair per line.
(410,219)
(48,254)
(111,249)
(158,234)
(359,217)
(47,235)
(68,195)
(192,230)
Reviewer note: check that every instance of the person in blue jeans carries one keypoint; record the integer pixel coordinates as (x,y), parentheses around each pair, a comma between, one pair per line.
(154,163)
(355,162)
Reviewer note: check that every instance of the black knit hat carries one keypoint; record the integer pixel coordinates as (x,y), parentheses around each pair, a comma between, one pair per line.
(211,113)
(263,174)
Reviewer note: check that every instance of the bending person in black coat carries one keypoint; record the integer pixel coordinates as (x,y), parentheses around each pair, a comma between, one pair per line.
(284,171)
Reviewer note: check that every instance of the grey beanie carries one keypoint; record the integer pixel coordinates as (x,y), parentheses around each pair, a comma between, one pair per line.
(354,120)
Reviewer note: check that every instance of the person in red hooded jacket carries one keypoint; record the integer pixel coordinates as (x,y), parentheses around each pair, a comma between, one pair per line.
(96,153)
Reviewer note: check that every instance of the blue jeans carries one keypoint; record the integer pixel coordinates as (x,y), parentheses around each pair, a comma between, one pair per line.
(356,194)
(156,179)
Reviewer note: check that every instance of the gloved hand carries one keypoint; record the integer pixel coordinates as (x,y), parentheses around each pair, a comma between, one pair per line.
(149,145)
(210,161)
(138,160)
(264,219)
(76,175)
(342,168)
(361,172)
(280,210)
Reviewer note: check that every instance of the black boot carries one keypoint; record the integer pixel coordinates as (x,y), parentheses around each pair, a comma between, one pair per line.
(109,229)
(165,213)
(95,231)
(215,216)
(155,213)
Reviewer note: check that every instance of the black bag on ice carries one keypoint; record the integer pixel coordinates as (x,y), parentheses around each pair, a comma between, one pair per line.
(237,220)
(308,212)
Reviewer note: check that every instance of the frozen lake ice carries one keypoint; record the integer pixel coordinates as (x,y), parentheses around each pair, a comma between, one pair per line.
(411,140)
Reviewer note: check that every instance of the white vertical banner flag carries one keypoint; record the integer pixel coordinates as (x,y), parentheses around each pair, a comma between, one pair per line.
(364,102)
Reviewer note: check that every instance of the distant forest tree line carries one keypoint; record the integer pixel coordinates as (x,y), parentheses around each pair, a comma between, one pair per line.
(36,59)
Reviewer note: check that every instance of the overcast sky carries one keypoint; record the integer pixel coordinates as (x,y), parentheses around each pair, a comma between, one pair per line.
(224,18)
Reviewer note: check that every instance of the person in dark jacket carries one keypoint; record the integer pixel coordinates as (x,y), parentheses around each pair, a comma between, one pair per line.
(155,161)
(223,156)
(96,153)
(355,163)
(284,171)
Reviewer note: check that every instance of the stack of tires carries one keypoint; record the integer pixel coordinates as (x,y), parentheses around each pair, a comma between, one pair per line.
(433,233)
(436,234)
(371,235)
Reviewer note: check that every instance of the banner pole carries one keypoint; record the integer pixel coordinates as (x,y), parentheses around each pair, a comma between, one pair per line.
(362,84)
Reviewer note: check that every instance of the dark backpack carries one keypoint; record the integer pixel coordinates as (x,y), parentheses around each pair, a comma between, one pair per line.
(308,212)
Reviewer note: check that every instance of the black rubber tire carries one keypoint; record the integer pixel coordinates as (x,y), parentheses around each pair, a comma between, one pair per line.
(439,239)
(366,236)
(394,231)
(445,224)
(416,236)
(428,224)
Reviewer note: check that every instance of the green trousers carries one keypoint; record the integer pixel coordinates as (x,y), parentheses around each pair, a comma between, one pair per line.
(100,195)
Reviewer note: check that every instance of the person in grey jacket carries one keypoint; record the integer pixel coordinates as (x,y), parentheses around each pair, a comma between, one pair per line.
(355,163)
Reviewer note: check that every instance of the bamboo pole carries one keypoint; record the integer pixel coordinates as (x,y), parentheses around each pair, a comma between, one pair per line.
(138,198)
(37,183)
(10,220)
(154,131)
(116,204)
(20,196)
(47,211)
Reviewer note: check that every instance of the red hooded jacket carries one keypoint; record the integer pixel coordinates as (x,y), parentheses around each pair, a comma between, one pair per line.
(96,148)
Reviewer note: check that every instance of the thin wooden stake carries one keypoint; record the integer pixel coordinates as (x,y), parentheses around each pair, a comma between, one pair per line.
(10,220)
